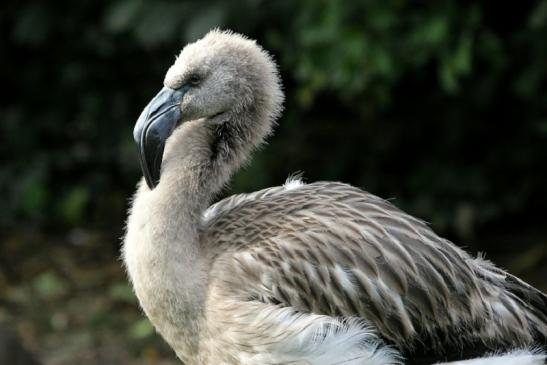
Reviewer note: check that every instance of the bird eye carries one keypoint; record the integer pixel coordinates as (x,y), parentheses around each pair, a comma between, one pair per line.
(194,79)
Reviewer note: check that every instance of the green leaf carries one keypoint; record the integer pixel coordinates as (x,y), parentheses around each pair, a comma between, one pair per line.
(205,20)
(538,17)
(159,23)
(121,15)
(141,329)
(73,204)
(49,285)
(122,291)
(34,195)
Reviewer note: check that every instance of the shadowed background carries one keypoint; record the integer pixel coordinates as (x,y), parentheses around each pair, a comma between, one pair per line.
(440,106)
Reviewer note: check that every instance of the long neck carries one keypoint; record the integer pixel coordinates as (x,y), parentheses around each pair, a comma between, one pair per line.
(165,259)
(201,156)
(199,159)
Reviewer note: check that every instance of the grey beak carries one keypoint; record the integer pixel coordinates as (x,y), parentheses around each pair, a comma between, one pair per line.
(155,124)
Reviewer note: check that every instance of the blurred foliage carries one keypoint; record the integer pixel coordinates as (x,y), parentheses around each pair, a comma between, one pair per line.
(441,104)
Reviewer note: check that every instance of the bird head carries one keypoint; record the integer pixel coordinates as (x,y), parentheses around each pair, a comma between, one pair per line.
(214,80)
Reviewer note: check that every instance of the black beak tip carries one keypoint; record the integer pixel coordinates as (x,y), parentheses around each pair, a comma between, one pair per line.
(147,171)
(154,126)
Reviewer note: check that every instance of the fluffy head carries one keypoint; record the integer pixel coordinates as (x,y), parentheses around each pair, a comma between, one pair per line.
(228,74)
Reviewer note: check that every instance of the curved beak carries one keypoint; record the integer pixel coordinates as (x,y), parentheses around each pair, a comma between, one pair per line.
(155,124)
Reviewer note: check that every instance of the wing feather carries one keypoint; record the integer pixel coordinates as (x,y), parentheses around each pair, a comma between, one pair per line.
(332,249)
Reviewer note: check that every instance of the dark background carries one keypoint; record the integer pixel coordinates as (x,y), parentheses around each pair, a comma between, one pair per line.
(440,105)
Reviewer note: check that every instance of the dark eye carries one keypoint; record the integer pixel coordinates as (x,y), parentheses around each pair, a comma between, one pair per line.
(194,79)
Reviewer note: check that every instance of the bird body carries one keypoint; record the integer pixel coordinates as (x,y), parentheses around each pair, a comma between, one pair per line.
(315,274)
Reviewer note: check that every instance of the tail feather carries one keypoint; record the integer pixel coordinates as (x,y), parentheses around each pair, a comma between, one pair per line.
(535,303)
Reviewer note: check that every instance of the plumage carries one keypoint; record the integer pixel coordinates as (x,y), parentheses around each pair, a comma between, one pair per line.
(316,274)
(333,249)
(529,357)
